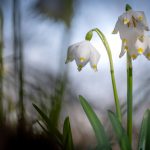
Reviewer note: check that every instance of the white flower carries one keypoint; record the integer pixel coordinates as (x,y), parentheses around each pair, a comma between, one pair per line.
(126,33)
(83,52)
(131,26)
(135,48)
(132,20)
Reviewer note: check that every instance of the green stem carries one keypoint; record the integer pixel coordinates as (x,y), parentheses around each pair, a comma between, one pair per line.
(102,37)
(129,97)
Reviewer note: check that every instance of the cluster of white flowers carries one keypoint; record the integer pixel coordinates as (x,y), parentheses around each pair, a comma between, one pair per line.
(132,26)
(83,52)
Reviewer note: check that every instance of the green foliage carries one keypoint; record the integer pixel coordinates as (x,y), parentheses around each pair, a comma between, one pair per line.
(144,139)
(51,129)
(67,136)
(64,140)
(120,132)
(102,139)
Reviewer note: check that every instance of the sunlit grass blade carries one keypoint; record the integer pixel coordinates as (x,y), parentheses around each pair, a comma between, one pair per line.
(48,123)
(120,132)
(103,142)
(43,115)
(144,139)
(67,135)
(45,130)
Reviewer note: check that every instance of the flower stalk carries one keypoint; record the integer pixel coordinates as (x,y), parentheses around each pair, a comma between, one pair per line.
(129,97)
(117,104)
(129,91)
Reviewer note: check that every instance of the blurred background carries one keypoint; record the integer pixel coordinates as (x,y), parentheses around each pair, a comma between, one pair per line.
(35,35)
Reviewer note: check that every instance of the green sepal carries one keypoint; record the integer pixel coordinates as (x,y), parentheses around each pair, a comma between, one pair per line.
(128,7)
(89,35)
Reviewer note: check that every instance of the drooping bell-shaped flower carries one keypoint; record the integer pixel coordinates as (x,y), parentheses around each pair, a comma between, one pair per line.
(135,48)
(83,52)
(131,26)
(132,20)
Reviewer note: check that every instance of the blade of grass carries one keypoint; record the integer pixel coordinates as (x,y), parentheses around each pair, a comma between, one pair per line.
(144,139)
(49,134)
(48,123)
(103,142)
(67,135)
(120,132)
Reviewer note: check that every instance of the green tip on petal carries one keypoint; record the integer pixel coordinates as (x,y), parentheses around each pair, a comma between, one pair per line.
(128,7)
(89,35)
(80,67)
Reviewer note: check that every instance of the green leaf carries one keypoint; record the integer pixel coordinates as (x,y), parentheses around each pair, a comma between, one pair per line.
(103,142)
(42,127)
(48,123)
(144,139)
(43,115)
(67,135)
(120,132)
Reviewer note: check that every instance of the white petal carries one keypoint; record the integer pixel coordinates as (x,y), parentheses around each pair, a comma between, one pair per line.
(132,50)
(83,50)
(141,46)
(94,58)
(116,29)
(70,52)
(147,51)
(140,16)
(126,17)
(130,32)
(122,50)
(82,54)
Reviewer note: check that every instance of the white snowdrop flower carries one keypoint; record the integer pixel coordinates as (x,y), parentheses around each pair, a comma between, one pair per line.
(135,48)
(127,33)
(83,52)
(132,19)
(131,26)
